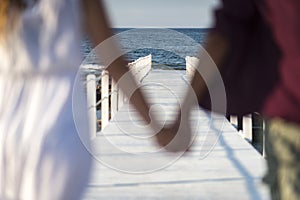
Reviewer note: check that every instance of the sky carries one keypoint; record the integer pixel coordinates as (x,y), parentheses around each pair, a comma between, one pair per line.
(161,13)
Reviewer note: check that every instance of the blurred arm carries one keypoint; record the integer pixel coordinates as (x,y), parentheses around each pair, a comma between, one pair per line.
(217,47)
(98,29)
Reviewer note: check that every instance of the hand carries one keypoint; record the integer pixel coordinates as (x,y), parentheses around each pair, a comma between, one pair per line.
(175,138)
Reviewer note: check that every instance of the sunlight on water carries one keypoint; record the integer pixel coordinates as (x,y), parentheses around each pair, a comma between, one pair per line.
(161,59)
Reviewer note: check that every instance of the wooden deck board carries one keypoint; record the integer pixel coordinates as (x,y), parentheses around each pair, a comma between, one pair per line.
(231,170)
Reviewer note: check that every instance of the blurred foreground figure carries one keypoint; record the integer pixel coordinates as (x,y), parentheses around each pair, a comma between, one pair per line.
(257,78)
(282,108)
(41,155)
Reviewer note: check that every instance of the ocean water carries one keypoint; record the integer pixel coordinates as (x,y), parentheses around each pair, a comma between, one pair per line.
(168,47)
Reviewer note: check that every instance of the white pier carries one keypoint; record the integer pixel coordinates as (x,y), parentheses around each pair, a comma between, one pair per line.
(221,165)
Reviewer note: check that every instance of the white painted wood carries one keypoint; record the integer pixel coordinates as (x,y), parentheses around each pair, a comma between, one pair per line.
(105,100)
(234,120)
(120,98)
(191,64)
(232,165)
(247,127)
(141,67)
(114,98)
(91,101)
(264,139)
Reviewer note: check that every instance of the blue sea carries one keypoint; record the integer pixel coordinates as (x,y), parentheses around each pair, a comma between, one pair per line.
(168,47)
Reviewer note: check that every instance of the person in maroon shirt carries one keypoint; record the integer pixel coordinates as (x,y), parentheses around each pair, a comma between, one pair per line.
(282,106)
(256,46)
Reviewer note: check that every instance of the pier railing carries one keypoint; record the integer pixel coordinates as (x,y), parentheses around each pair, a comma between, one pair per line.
(110,99)
(250,126)
(103,93)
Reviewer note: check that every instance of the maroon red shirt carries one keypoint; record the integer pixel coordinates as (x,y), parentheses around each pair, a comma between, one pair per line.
(284,101)
(249,70)
(234,20)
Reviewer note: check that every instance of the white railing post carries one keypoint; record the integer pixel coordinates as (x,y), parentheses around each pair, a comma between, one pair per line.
(105,99)
(234,120)
(112,101)
(264,140)
(120,98)
(114,98)
(247,127)
(139,69)
(191,64)
(91,101)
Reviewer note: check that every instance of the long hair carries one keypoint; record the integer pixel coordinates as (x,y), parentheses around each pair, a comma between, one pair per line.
(9,10)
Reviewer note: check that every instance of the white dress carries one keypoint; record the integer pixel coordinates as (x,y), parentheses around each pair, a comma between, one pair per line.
(41,155)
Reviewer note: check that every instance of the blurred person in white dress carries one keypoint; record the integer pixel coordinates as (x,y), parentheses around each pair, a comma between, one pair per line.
(41,155)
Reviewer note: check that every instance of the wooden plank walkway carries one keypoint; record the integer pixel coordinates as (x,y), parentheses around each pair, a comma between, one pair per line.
(231,170)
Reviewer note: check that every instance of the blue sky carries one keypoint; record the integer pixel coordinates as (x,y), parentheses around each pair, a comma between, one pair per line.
(161,13)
